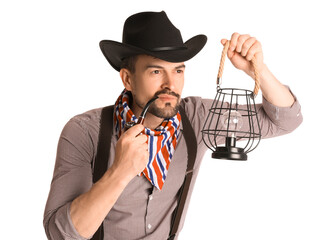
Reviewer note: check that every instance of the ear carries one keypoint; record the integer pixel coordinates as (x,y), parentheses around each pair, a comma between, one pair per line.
(125,75)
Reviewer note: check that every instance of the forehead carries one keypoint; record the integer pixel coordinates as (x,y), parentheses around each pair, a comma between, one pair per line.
(145,61)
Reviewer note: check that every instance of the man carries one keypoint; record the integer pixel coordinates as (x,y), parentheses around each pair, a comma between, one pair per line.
(136,196)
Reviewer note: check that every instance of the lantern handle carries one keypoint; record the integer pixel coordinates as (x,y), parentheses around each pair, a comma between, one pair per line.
(256,73)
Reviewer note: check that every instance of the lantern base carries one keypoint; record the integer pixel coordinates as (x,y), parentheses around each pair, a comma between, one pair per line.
(229,153)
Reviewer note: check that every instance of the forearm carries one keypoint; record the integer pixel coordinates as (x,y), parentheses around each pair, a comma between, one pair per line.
(89,210)
(131,157)
(273,91)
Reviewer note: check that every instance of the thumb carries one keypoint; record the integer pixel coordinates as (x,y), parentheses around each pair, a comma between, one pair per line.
(135,130)
(223,41)
(229,53)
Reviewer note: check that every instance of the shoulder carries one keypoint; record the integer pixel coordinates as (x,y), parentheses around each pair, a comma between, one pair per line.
(81,132)
(88,119)
(84,125)
(196,107)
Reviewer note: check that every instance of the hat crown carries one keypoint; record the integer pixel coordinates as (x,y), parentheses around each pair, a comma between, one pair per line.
(152,31)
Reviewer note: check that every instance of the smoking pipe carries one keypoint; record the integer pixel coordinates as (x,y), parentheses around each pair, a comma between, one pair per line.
(142,116)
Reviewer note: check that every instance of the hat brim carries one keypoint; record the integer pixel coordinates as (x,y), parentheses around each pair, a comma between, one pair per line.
(115,52)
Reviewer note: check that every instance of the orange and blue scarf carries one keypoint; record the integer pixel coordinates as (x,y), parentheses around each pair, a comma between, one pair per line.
(162,141)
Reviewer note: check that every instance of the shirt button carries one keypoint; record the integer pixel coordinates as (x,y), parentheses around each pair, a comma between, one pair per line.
(149,226)
(150,197)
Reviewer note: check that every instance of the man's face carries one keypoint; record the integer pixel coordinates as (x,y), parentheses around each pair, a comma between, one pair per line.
(153,77)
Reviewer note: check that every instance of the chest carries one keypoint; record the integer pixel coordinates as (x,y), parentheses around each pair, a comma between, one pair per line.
(140,188)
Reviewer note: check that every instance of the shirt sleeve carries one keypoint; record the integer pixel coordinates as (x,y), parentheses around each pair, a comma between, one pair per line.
(72,177)
(278,121)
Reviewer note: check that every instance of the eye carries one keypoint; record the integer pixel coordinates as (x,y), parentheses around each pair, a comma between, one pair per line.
(179,71)
(156,71)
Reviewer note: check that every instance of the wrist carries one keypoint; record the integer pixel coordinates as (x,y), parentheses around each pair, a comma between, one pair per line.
(262,70)
(118,175)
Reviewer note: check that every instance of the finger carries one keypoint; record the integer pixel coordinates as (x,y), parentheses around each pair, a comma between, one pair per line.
(233,41)
(144,151)
(142,148)
(230,54)
(247,45)
(142,138)
(146,147)
(240,42)
(255,48)
(134,131)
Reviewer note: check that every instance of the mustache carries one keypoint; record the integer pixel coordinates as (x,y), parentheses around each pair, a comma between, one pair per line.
(168,92)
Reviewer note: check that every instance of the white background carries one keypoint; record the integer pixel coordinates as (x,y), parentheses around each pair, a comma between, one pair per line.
(51,68)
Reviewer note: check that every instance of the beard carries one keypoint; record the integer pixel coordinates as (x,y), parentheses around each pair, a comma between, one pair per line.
(168,111)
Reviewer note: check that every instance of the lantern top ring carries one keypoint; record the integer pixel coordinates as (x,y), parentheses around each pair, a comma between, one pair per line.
(238,92)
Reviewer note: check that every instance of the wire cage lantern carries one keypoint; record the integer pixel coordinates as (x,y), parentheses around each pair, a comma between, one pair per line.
(232,119)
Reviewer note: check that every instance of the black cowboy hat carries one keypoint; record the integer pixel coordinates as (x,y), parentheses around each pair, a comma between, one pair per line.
(151,33)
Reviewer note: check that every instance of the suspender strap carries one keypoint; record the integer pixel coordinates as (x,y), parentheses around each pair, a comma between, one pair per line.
(102,155)
(101,159)
(191,142)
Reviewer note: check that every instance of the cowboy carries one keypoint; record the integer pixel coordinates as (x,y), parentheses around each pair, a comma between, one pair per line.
(137,195)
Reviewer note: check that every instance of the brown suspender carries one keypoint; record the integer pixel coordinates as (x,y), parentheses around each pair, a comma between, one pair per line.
(102,154)
(191,141)
(101,160)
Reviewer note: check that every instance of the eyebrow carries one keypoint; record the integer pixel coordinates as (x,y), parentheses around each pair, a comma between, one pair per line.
(180,66)
(158,66)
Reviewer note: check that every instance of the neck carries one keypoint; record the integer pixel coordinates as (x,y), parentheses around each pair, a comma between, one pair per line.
(152,121)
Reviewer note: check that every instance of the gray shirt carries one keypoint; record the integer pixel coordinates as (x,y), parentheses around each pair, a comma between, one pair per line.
(141,211)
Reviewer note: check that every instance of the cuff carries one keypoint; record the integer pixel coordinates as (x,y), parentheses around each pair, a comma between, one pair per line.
(65,225)
(280,114)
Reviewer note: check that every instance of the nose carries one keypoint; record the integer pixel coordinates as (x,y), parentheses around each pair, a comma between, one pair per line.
(169,82)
